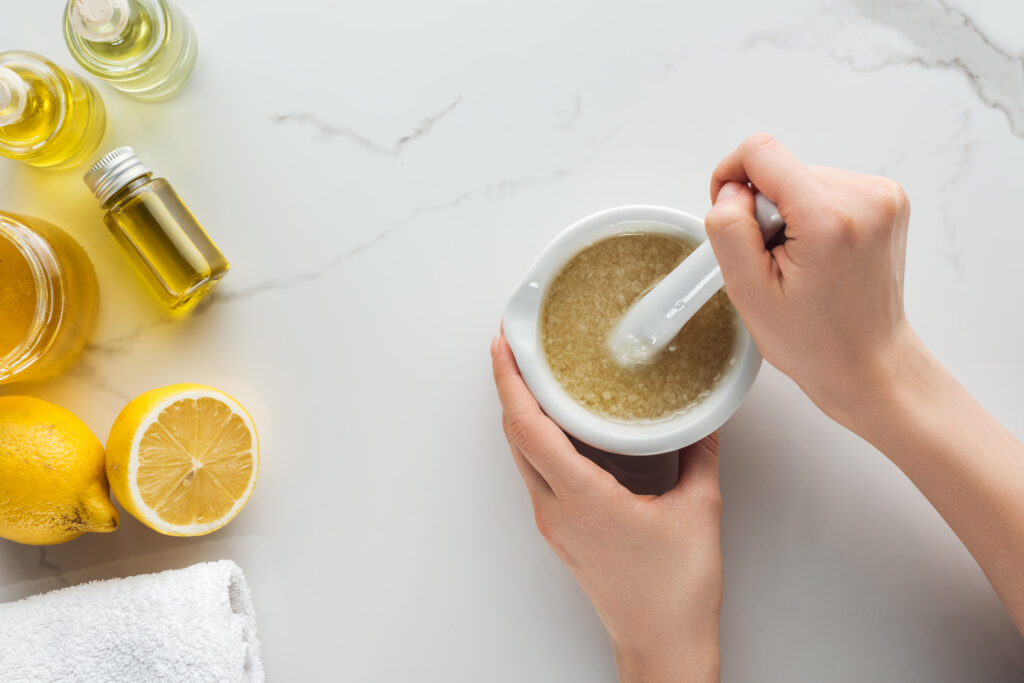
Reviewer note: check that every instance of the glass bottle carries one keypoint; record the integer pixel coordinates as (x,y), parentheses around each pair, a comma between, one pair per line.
(157,231)
(48,298)
(145,48)
(48,117)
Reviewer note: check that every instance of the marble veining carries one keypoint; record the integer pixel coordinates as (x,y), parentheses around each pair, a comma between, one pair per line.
(497,189)
(50,567)
(937,36)
(570,115)
(120,344)
(332,130)
(965,151)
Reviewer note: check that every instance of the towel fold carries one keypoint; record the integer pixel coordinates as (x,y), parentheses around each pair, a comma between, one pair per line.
(193,624)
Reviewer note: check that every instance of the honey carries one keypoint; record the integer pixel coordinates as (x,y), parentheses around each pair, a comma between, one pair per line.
(582,307)
(17,297)
(48,298)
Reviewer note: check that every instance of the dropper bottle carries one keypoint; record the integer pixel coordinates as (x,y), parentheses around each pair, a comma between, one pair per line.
(48,117)
(161,237)
(145,48)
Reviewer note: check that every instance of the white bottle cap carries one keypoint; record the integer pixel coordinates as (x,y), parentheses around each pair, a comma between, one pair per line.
(99,20)
(13,96)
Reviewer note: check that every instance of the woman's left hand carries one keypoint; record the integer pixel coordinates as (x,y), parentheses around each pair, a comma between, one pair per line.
(651,565)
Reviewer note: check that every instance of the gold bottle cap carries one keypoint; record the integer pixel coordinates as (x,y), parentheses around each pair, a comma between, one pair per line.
(114,171)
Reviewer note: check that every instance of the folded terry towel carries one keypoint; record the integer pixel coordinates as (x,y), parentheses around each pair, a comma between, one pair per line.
(194,624)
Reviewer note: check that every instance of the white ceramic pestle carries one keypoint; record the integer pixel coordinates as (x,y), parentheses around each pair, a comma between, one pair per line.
(656,318)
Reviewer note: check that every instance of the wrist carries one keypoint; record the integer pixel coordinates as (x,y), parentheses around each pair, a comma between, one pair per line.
(888,392)
(686,658)
(851,393)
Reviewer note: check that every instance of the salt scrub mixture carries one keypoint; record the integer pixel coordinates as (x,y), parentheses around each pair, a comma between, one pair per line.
(588,298)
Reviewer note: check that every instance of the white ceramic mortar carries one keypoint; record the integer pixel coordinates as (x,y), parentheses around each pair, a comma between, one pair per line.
(522,329)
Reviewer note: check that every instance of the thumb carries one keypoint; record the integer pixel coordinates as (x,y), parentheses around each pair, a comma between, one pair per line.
(738,243)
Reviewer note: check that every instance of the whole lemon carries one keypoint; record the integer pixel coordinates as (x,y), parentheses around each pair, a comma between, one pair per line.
(52,484)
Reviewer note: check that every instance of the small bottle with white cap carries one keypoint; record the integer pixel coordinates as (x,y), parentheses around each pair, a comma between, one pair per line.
(161,237)
(48,117)
(145,48)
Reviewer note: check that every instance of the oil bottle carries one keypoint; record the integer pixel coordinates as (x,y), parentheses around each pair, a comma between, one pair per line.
(145,48)
(48,117)
(157,231)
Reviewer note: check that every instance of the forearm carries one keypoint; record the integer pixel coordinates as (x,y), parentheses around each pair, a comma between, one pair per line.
(967,464)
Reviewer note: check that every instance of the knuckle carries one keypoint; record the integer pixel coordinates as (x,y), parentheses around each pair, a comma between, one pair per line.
(708,497)
(544,525)
(758,142)
(720,218)
(715,221)
(519,427)
(842,224)
(891,198)
(548,531)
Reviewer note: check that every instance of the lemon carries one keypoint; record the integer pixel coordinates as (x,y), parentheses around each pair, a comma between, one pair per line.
(183,459)
(52,487)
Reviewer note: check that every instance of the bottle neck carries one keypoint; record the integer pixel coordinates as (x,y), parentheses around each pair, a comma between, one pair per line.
(13,97)
(127,190)
(100,21)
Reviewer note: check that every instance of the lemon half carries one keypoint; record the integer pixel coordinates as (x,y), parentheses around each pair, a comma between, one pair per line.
(183,459)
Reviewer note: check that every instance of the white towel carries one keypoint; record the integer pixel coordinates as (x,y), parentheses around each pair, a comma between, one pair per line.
(194,624)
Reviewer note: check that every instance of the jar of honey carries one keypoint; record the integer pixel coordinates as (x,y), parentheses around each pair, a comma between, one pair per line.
(48,298)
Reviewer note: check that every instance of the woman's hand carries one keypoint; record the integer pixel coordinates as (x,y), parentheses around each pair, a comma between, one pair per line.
(826,306)
(651,565)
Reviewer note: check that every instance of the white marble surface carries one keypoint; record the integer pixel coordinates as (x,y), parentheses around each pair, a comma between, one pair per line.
(380,175)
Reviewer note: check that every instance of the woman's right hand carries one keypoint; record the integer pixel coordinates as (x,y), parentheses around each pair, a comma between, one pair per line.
(826,306)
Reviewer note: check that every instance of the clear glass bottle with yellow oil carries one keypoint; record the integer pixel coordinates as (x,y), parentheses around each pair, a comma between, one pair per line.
(48,117)
(145,48)
(48,298)
(161,237)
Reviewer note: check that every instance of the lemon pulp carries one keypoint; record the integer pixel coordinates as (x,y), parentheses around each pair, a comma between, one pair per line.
(195,461)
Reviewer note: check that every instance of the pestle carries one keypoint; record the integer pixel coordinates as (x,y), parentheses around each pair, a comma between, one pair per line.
(656,317)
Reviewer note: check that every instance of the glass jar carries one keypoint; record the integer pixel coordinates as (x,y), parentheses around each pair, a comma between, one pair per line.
(48,298)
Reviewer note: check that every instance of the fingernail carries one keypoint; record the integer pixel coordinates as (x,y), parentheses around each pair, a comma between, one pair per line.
(494,347)
(728,190)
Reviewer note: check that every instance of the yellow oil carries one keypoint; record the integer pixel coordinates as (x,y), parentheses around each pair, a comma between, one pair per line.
(48,298)
(151,58)
(165,242)
(64,118)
